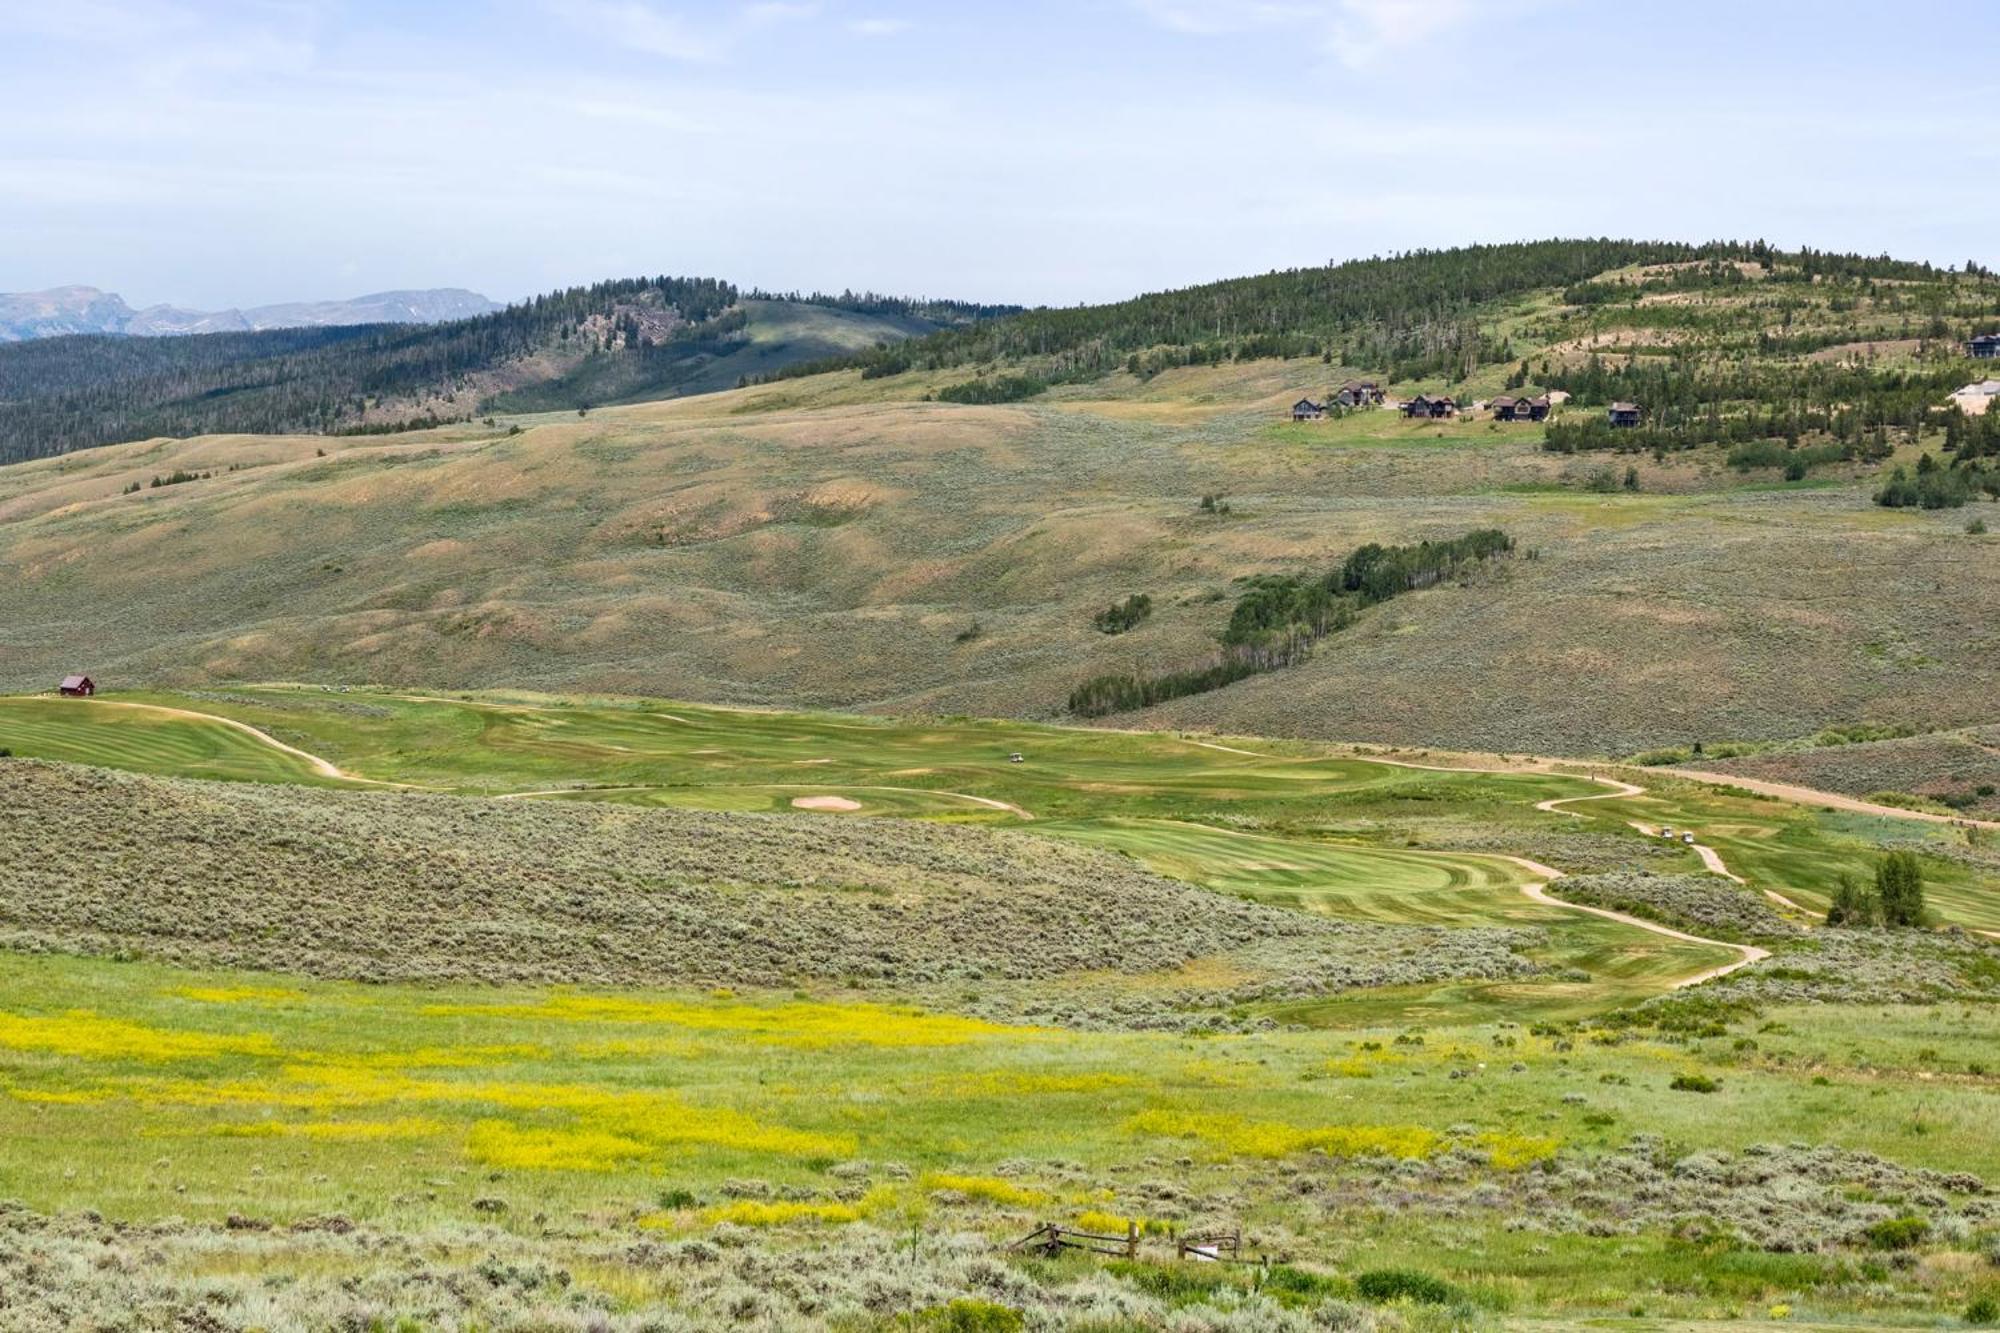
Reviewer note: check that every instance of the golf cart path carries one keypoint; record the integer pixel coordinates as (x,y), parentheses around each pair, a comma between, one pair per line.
(1790,793)
(1709,856)
(1539,891)
(324,768)
(1618,789)
(1785,791)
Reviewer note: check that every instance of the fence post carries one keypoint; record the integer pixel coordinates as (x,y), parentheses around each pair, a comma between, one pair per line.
(1131,1238)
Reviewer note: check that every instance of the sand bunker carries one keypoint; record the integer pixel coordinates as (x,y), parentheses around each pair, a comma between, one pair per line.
(824,803)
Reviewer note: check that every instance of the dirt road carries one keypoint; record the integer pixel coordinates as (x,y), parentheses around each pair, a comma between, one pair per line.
(325,768)
(1746,953)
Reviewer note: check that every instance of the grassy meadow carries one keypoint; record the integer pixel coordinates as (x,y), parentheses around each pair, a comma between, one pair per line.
(615,1136)
(1538,1145)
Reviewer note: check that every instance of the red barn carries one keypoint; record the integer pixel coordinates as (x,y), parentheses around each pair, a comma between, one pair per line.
(77,687)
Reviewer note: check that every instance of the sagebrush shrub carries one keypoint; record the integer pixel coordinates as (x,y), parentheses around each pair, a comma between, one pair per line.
(1898,1233)
(1382,1285)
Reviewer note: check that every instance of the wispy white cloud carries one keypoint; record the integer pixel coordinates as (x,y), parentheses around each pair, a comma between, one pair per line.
(768,12)
(1367,30)
(172,182)
(878,27)
(159,45)
(96,21)
(660,30)
(643,28)
(1358,32)
(1213,17)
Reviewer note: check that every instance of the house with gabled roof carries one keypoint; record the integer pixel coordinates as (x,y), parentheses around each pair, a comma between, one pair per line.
(1359,393)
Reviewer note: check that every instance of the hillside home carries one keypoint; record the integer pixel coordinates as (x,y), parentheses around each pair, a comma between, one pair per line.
(1985,347)
(1626,414)
(1509,408)
(1359,393)
(1307,410)
(77,687)
(1974,399)
(1424,406)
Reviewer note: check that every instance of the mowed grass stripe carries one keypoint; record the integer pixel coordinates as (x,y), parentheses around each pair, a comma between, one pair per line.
(82,731)
(1354,882)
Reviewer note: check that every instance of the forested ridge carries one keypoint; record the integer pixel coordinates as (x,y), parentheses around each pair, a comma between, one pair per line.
(937,311)
(1415,314)
(60,394)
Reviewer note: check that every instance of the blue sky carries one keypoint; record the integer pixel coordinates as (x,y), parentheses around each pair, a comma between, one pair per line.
(235,152)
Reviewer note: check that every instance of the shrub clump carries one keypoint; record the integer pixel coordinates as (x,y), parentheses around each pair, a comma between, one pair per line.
(1703,903)
(1125,615)
(1778,1198)
(1899,1233)
(1383,1285)
(1841,966)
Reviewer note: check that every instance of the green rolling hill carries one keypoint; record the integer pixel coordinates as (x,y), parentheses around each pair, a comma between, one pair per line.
(852,538)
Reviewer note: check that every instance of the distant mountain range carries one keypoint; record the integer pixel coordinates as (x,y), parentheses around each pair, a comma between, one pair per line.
(66,310)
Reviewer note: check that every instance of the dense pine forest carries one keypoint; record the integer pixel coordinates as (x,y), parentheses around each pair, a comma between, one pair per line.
(875,303)
(1415,315)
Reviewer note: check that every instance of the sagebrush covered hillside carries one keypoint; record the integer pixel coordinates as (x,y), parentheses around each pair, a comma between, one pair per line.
(404,886)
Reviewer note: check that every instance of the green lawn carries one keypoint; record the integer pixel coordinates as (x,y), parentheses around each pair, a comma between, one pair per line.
(1299,823)
(1801,852)
(111,735)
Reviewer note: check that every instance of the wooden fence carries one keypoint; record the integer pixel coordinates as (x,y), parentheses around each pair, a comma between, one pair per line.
(1050,1238)
(1215,1247)
(1210,1247)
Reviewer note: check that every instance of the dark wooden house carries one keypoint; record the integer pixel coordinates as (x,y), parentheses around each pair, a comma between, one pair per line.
(1425,406)
(1985,347)
(1626,414)
(1359,393)
(1509,408)
(77,687)
(1307,410)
